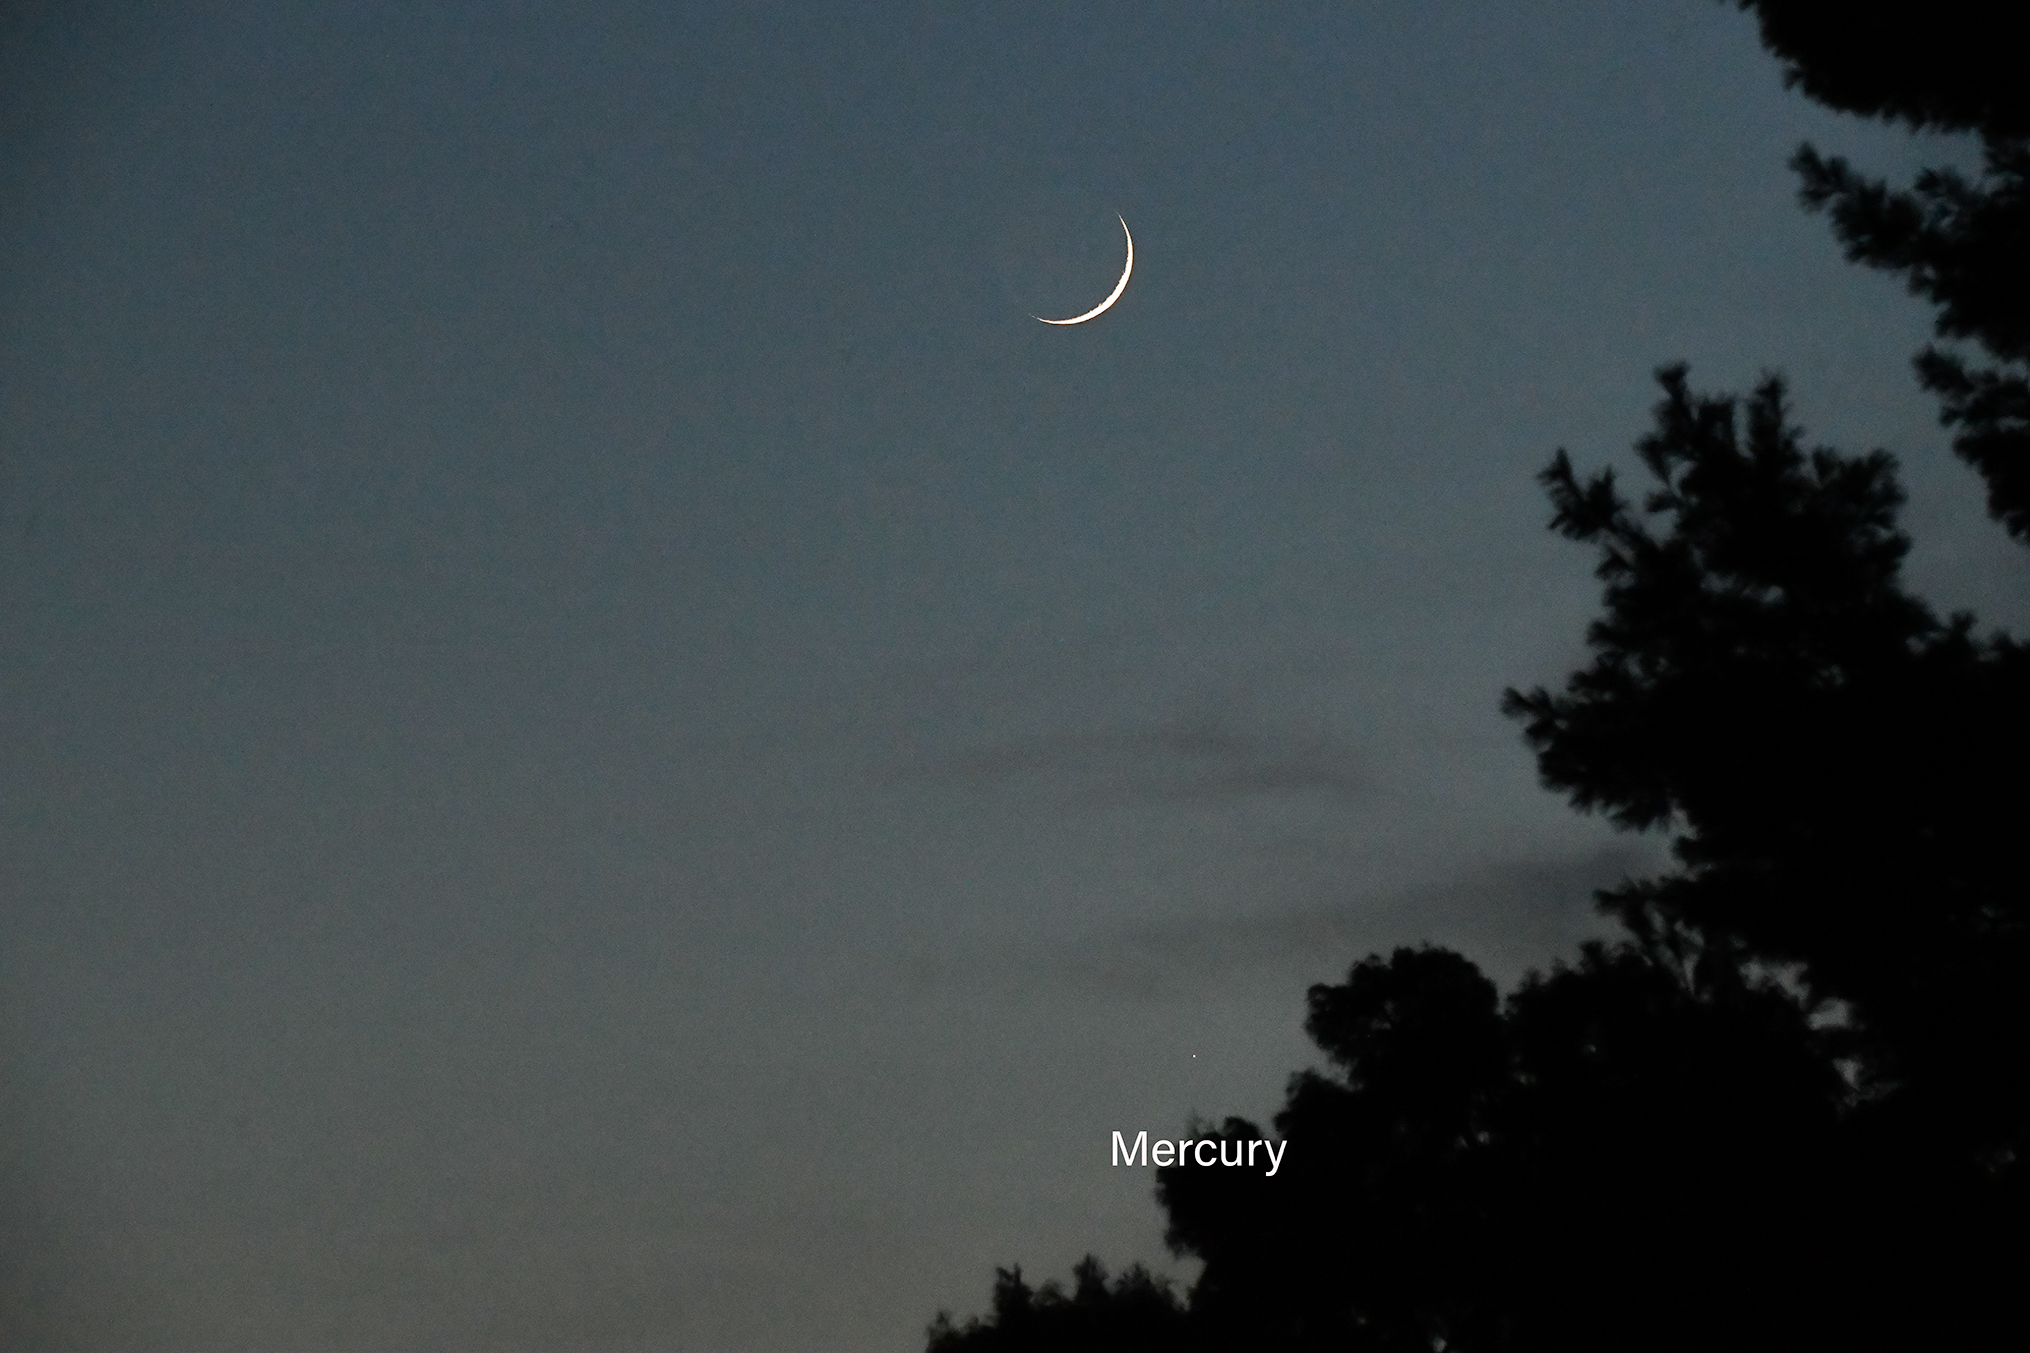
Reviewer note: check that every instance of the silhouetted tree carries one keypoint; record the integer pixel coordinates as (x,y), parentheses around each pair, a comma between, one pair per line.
(1788,1112)
(1963,245)
(1372,1232)
(1618,1159)
(1666,1146)
(1843,768)
(1792,1110)
(1843,771)
(1137,1313)
(1946,65)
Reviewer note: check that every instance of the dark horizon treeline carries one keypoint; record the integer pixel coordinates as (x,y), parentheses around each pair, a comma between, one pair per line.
(1791,1107)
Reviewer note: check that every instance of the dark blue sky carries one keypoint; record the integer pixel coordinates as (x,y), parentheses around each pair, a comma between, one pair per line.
(606,746)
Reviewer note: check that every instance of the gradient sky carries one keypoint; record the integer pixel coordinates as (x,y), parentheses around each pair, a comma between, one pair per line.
(605,745)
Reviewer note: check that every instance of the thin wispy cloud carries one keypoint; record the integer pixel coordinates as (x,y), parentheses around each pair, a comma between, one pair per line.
(1502,913)
(1202,756)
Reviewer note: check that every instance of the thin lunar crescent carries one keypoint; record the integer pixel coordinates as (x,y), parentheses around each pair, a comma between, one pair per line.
(1113,295)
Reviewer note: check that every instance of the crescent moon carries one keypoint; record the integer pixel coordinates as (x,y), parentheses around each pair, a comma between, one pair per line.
(1113,295)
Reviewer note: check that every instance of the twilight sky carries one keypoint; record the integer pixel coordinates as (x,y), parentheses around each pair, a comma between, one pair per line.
(604,745)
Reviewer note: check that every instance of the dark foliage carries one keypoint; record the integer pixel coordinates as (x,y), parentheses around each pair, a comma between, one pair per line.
(1789,1112)
(1962,244)
(1135,1314)
(1557,1175)
(1792,1110)
(1948,65)
(1658,1156)
(1373,1230)
(1844,768)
